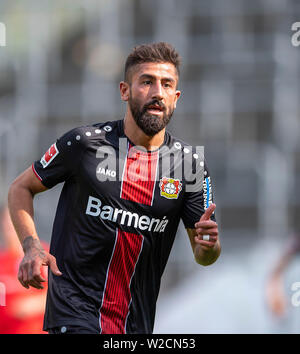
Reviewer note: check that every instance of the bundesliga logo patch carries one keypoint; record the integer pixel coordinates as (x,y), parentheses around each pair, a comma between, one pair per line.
(49,155)
(170,188)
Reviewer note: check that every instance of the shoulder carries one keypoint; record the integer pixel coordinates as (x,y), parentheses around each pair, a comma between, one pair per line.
(188,151)
(191,158)
(87,134)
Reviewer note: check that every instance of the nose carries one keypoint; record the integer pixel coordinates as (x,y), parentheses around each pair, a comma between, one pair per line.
(157,92)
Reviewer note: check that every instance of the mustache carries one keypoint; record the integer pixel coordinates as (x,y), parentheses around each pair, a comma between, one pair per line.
(154,102)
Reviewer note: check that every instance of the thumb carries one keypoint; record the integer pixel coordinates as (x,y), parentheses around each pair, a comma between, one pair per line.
(208,212)
(53,266)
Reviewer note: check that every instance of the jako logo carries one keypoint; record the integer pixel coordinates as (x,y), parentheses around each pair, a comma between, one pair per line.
(106,172)
(296,36)
(2,35)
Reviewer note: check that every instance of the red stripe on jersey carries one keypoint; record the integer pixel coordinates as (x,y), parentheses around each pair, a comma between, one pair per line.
(139,176)
(37,175)
(117,296)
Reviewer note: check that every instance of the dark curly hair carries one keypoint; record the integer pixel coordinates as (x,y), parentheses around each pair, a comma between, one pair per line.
(160,52)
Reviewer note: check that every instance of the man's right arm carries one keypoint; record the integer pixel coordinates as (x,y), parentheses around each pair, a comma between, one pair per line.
(275,288)
(20,204)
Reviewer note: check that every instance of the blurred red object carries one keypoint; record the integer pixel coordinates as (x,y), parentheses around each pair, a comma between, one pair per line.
(23,310)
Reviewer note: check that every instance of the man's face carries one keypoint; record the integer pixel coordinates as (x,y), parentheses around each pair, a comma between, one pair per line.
(152,95)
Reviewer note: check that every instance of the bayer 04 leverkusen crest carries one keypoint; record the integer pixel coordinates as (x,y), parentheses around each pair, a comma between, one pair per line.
(170,188)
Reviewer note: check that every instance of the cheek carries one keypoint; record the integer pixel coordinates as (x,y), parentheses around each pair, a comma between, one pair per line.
(138,101)
(139,96)
(172,103)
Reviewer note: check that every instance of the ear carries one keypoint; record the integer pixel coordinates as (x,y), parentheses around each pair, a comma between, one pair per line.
(124,91)
(177,95)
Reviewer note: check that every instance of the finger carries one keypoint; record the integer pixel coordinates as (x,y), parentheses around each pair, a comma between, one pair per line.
(35,278)
(208,244)
(208,212)
(20,278)
(213,239)
(25,275)
(53,266)
(30,277)
(206,223)
(35,284)
(213,228)
(210,232)
(36,272)
(207,231)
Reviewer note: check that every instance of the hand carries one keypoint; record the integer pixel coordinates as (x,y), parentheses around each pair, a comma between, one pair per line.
(30,267)
(207,227)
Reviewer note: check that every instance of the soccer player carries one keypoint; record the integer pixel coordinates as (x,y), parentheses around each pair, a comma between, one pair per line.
(119,208)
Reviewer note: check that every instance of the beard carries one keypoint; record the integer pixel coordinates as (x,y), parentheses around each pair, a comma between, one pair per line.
(150,124)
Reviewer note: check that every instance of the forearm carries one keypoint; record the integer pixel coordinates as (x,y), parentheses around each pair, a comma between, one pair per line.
(281,266)
(206,256)
(20,204)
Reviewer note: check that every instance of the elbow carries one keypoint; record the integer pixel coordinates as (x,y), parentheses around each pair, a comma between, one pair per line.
(12,192)
(12,189)
(16,190)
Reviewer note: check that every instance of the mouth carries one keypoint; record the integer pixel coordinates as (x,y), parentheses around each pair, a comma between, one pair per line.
(155,109)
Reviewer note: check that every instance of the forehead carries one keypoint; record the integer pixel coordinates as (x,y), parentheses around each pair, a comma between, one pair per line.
(158,70)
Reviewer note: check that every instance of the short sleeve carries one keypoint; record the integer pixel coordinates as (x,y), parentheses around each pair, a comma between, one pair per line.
(195,203)
(61,160)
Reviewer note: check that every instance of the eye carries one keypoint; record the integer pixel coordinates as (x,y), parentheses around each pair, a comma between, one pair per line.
(167,84)
(147,82)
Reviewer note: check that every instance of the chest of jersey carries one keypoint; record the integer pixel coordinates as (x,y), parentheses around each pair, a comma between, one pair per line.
(130,187)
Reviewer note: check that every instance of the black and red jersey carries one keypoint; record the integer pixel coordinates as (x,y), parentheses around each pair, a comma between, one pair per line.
(115,224)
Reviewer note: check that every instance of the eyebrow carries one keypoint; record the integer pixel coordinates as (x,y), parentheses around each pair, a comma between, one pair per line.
(149,76)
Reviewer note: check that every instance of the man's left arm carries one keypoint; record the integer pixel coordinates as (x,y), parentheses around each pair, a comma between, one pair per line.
(205,251)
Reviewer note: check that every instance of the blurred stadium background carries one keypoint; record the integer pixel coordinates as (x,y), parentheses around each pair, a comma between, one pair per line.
(240,81)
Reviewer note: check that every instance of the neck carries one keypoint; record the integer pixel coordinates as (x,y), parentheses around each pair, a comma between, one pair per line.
(138,137)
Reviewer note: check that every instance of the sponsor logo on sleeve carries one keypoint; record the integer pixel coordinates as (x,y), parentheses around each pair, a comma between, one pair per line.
(50,155)
(207,192)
